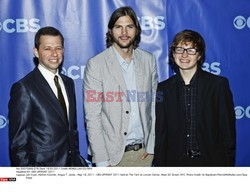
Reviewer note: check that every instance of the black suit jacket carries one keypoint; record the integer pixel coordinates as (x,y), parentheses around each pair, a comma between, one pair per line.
(215,132)
(39,134)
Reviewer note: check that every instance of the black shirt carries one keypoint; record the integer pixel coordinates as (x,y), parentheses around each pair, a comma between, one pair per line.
(189,105)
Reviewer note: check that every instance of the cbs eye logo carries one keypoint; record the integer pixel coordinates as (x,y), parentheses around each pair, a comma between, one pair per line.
(240,22)
(240,112)
(3,121)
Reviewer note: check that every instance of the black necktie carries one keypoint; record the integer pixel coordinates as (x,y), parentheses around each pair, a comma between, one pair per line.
(60,95)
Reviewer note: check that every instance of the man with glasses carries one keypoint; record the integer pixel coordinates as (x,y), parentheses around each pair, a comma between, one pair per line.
(195,120)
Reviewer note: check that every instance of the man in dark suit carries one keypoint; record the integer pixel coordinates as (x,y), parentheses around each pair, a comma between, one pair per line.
(42,110)
(195,120)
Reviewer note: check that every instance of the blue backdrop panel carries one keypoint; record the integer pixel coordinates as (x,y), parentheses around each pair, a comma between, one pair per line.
(84,24)
(226,32)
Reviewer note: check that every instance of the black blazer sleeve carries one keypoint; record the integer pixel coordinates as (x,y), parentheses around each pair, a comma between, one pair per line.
(227,121)
(160,129)
(19,124)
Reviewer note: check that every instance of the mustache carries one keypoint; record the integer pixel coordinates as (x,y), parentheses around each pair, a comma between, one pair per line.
(124,36)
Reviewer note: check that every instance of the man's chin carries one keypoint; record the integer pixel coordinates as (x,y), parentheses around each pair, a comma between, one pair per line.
(124,46)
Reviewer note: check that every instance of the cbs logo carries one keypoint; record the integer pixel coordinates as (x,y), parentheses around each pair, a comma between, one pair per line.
(149,23)
(20,25)
(240,22)
(213,68)
(3,121)
(240,112)
(74,72)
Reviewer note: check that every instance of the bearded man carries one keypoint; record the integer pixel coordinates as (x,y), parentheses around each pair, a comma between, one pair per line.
(119,84)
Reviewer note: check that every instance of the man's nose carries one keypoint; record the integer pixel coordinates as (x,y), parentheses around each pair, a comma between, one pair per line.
(185,54)
(124,30)
(54,52)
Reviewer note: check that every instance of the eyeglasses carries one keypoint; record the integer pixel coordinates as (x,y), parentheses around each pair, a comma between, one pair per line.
(181,50)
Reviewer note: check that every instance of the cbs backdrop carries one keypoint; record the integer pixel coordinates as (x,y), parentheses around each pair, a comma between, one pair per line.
(224,24)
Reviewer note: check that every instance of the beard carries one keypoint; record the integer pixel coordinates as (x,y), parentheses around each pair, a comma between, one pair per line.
(123,45)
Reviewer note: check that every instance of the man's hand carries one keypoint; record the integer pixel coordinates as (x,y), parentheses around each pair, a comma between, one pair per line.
(144,156)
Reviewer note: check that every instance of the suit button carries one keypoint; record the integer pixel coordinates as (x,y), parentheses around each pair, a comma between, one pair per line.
(127,112)
(125,133)
(69,152)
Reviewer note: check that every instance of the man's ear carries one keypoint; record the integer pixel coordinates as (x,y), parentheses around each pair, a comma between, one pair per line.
(35,51)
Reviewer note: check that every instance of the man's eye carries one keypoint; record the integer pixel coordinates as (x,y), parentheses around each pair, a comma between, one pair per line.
(179,49)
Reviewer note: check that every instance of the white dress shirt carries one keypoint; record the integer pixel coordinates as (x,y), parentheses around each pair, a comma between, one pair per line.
(49,76)
(135,131)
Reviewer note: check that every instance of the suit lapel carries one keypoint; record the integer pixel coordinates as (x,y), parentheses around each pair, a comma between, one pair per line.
(45,90)
(139,73)
(115,69)
(201,91)
(179,101)
(70,97)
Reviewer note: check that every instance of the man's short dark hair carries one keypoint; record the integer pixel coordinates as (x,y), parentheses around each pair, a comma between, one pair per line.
(123,11)
(47,31)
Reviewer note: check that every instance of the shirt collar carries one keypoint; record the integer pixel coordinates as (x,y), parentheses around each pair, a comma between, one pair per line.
(193,80)
(48,75)
(119,57)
